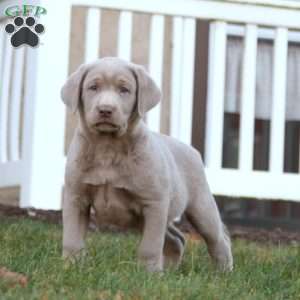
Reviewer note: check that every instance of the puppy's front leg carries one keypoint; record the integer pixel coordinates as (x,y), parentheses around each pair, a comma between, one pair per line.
(151,247)
(75,222)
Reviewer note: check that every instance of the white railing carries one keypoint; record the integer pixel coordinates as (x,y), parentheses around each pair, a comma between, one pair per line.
(39,167)
(244,181)
(10,107)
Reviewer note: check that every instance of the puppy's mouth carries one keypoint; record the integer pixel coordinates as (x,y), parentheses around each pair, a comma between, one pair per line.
(105,126)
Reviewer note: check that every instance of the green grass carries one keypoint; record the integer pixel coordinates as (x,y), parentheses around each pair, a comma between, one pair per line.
(110,270)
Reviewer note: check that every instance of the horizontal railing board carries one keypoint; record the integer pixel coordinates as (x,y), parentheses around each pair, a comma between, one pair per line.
(262,33)
(10,173)
(255,184)
(290,4)
(206,9)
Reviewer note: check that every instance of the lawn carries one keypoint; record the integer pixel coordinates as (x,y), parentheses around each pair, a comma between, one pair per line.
(110,270)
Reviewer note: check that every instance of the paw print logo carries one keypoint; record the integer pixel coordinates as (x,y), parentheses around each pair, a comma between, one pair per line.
(24,31)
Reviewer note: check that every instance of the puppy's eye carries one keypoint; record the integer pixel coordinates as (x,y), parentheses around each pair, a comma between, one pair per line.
(93,87)
(124,90)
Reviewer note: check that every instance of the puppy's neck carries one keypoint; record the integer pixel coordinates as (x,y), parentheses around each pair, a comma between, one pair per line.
(110,147)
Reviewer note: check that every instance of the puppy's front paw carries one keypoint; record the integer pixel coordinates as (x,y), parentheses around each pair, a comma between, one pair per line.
(151,264)
(72,256)
(225,263)
(222,256)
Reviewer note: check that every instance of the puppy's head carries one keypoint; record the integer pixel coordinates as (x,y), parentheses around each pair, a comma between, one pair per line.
(110,93)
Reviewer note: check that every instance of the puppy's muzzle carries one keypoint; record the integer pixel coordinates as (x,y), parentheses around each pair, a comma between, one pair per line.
(106,118)
(105,111)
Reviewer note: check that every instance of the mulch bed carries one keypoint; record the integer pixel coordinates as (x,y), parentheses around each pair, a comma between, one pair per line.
(274,236)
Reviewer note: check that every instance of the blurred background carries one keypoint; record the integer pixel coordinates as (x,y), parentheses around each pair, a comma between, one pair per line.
(229,72)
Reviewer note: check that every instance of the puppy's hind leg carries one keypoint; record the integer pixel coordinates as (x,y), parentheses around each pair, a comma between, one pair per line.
(204,216)
(173,246)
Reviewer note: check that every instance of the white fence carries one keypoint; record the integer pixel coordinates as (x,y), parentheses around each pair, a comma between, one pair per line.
(30,99)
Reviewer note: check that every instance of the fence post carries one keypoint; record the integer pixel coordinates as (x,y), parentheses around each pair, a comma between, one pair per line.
(215,95)
(44,112)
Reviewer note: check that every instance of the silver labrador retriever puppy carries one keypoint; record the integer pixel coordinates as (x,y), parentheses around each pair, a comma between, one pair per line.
(127,172)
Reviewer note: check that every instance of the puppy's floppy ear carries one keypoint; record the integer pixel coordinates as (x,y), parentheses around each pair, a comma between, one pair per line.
(71,91)
(148,93)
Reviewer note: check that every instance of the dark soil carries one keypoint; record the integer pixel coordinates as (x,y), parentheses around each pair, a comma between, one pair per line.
(274,236)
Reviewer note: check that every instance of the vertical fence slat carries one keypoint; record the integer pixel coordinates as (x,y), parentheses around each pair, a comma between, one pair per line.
(2,108)
(3,36)
(278,98)
(15,107)
(247,113)
(156,65)
(215,101)
(187,89)
(43,134)
(5,82)
(177,50)
(125,33)
(92,34)
(184,31)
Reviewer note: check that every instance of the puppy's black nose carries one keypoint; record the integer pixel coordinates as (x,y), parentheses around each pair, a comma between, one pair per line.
(105,111)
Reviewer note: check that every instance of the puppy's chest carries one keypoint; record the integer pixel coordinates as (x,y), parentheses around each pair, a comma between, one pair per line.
(110,168)
(116,206)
